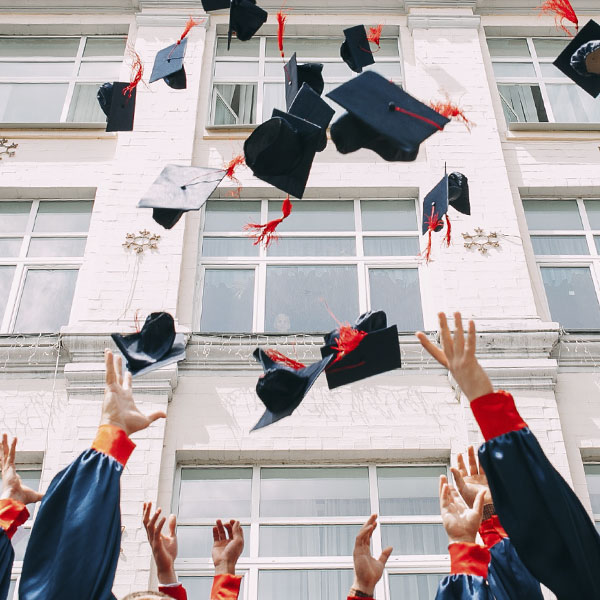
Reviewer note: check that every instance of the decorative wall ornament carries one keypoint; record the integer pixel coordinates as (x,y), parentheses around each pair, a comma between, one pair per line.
(481,240)
(7,148)
(144,240)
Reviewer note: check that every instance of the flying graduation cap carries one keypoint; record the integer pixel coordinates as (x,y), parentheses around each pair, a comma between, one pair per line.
(155,346)
(180,189)
(382,117)
(209,5)
(297,75)
(284,384)
(368,348)
(355,51)
(245,19)
(308,105)
(580,60)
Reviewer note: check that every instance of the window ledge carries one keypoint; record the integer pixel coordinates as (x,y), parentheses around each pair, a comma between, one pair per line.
(585,127)
(94,125)
(229,131)
(52,130)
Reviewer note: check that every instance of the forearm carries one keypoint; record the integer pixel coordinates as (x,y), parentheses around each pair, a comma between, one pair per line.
(226,587)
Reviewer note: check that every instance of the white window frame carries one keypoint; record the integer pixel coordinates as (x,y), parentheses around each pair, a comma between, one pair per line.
(397,564)
(595,516)
(261,79)
(259,263)
(23,263)
(74,78)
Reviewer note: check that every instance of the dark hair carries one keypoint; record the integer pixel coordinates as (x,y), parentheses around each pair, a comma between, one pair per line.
(149,595)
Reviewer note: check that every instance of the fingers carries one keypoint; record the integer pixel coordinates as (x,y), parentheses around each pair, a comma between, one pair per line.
(459,334)
(127,381)
(473,466)
(385,555)
(238,532)
(118,361)
(215,534)
(458,479)
(146,513)
(478,504)
(159,527)
(229,528)
(12,452)
(221,530)
(447,344)
(152,523)
(111,377)
(461,465)
(471,340)
(4,448)
(155,416)
(172,525)
(436,352)
(444,497)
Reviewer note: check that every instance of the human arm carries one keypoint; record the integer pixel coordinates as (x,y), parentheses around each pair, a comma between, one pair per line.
(228,545)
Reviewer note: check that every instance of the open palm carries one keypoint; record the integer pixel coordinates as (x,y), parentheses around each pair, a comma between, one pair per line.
(460,522)
(164,545)
(12,486)
(228,545)
(470,483)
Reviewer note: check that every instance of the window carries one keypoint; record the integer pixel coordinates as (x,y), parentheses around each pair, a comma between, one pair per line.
(63,71)
(248,80)
(300,523)
(532,89)
(592,475)
(565,235)
(346,255)
(41,248)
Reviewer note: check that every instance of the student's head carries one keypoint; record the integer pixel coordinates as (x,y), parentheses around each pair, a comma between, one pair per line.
(145,596)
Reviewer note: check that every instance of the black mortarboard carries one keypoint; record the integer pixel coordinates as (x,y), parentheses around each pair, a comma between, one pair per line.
(283,388)
(458,193)
(355,51)
(168,65)
(280,151)
(118,107)
(452,190)
(382,117)
(377,352)
(308,105)
(155,346)
(574,60)
(180,189)
(209,5)
(296,75)
(245,19)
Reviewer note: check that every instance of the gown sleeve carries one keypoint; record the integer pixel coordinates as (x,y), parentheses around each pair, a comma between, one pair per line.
(225,587)
(175,591)
(468,574)
(76,538)
(547,524)
(12,514)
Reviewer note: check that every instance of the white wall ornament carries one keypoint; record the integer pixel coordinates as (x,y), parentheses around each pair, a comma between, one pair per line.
(144,240)
(7,148)
(481,241)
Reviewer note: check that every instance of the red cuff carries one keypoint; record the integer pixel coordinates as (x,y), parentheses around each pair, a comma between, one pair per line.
(113,441)
(492,532)
(226,587)
(12,514)
(469,559)
(357,598)
(178,592)
(496,414)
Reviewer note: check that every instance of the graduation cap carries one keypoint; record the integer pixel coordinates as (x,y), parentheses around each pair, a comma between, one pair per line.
(580,60)
(308,105)
(168,65)
(281,150)
(180,189)
(118,105)
(209,5)
(382,117)
(245,19)
(284,384)
(368,348)
(155,346)
(297,75)
(355,50)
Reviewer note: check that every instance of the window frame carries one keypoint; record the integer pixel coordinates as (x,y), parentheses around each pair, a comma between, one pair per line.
(595,516)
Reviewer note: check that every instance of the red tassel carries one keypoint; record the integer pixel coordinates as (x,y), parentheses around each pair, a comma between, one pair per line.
(562,10)
(188,27)
(265,234)
(283,359)
(348,341)
(281,19)
(416,116)
(451,111)
(374,35)
(137,70)
(232,164)
(448,237)
(432,222)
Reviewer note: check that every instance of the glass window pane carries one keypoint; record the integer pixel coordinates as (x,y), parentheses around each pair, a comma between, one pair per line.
(57,247)
(215,493)
(221,215)
(316,216)
(570,104)
(46,300)
(30,478)
(409,490)
(99,46)
(6,279)
(508,47)
(597,242)
(233,70)
(11,589)
(549,47)
(14,216)
(412,538)
(307,47)
(388,47)
(415,587)
(325,246)
(552,214)
(592,475)
(47,70)
(388,215)
(572,297)
(389,70)
(227,300)
(391,246)
(508,69)
(84,107)
(44,47)
(221,246)
(522,103)
(299,584)
(592,208)
(397,292)
(200,586)
(274,69)
(105,70)
(20,541)
(196,541)
(10,247)
(19,102)
(234,104)
(297,297)
(314,492)
(63,216)
(335,69)
(559,244)
(308,540)
(238,48)
(549,70)
(273,97)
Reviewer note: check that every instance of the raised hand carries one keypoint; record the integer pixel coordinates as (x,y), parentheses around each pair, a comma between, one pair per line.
(228,545)
(460,522)
(12,486)
(470,483)
(164,545)
(367,569)
(459,357)
(119,407)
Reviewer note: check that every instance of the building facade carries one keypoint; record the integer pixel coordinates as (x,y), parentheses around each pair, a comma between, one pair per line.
(528,272)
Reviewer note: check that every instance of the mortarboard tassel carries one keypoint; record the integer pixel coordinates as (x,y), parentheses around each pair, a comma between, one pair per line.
(374,35)
(232,164)
(137,70)
(448,237)
(392,106)
(348,341)
(432,222)
(451,111)
(562,10)
(283,359)
(281,19)
(188,27)
(265,234)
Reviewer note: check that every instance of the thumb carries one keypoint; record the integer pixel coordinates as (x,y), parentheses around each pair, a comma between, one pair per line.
(155,416)
(172,525)
(38,497)
(385,555)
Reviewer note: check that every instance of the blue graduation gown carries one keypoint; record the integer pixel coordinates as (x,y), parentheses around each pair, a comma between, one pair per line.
(468,578)
(12,514)
(547,524)
(75,541)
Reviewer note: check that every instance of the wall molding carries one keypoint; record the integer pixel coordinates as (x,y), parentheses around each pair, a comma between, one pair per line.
(443,22)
